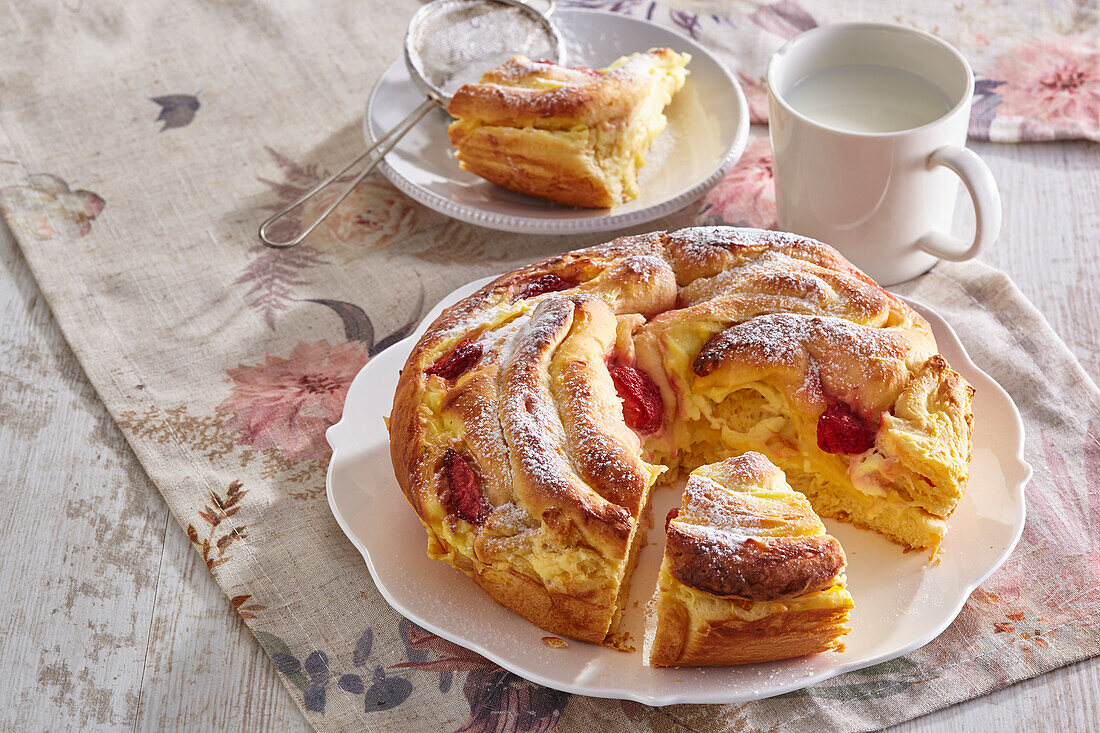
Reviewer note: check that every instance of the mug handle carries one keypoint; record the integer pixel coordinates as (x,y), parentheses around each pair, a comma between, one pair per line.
(978,179)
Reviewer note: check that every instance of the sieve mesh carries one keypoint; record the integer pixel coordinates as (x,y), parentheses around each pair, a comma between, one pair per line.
(452,42)
(449,43)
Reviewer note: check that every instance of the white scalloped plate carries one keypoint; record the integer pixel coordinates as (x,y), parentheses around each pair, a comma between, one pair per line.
(901,601)
(708,126)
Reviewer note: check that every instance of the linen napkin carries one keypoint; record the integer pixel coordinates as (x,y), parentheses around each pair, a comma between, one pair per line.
(141,144)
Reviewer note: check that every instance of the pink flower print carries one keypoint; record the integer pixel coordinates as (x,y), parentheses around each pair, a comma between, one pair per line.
(1056,82)
(289,403)
(756,93)
(746,196)
(44,207)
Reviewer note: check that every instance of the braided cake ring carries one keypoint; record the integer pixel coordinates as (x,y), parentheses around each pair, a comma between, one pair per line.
(533,418)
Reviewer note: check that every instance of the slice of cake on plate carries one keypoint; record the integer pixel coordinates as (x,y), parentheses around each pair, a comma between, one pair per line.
(749,574)
(575,136)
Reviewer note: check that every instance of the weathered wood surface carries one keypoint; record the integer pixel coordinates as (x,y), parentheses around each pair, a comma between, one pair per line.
(108,619)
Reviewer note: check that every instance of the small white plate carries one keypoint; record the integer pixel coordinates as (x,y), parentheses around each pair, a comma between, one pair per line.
(708,126)
(901,601)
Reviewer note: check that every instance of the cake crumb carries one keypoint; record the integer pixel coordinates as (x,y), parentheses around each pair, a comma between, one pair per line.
(620,642)
(554,642)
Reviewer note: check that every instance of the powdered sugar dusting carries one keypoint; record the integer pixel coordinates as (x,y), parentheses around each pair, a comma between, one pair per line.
(725,544)
(522,72)
(709,501)
(532,426)
(457,41)
(644,268)
(593,449)
(783,339)
(703,240)
(514,519)
(837,329)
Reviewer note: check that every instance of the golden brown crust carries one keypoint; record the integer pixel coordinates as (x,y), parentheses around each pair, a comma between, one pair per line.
(766,569)
(572,136)
(634,267)
(741,531)
(765,579)
(558,613)
(515,95)
(616,262)
(703,252)
(535,413)
(553,456)
(588,406)
(406,430)
(683,641)
(929,431)
(545,465)
(519,159)
(822,358)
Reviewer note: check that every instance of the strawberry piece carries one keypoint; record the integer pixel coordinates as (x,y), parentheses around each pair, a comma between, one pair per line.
(672,514)
(843,432)
(463,496)
(643,407)
(545,283)
(457,361)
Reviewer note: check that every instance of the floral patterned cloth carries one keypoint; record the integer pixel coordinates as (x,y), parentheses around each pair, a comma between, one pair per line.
(223,361)
(1036,65)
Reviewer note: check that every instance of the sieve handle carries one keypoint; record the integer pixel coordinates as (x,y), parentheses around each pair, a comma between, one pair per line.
(383,146)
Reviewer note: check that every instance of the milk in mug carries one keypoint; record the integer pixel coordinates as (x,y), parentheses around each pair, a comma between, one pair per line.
(867,98)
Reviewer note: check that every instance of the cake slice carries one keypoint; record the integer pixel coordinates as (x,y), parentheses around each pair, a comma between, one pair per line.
(749,574)
(575,136)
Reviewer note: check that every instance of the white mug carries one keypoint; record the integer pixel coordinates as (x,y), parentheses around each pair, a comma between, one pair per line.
(884,199)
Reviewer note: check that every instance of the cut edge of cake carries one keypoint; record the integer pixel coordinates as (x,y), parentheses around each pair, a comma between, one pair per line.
(774,587)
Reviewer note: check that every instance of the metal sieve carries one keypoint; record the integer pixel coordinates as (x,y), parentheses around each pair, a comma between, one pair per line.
(448,43)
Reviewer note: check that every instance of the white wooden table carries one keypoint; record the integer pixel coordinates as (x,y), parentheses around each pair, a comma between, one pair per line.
(109,619)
